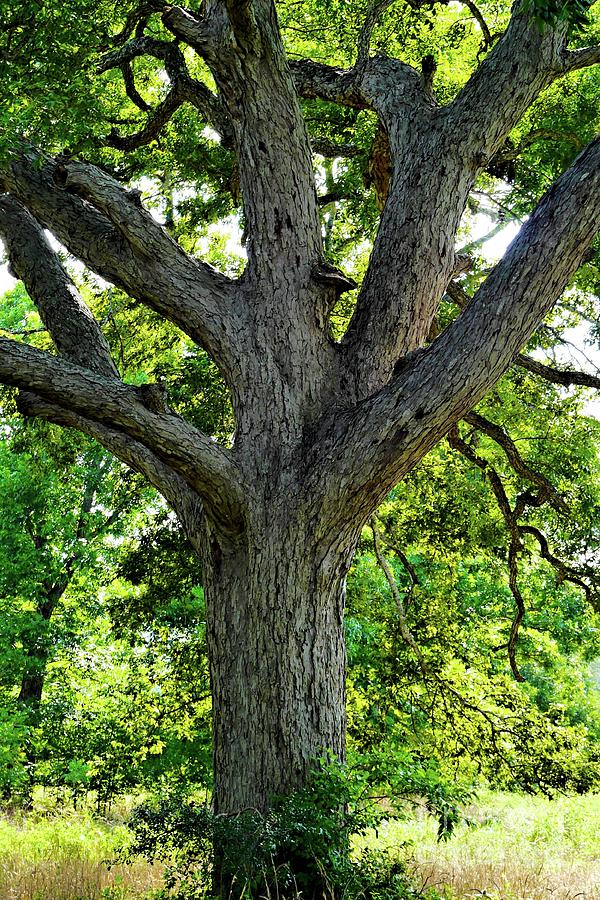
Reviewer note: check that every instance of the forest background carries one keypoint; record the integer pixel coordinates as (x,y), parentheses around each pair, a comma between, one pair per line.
(472,610)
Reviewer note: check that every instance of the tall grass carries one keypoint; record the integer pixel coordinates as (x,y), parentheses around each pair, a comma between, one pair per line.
(518,848)
(68,857)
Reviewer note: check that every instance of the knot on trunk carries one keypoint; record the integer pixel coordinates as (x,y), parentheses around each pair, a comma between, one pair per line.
(331,277)
(154,397)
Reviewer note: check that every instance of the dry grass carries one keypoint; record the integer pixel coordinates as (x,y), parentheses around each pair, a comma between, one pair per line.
(74,879)
(519,848)
(509,880)
(68,857)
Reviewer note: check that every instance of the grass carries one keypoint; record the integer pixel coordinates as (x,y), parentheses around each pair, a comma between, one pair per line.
(68,857)
(519,848)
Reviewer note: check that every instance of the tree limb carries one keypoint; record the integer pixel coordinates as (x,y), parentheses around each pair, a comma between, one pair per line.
(488,38)
(369,448)
(332,150)
(206,466)
(580,59)
(199,33)
(72,327)
(176,491)
(130,88)
(317,80)
(520,66)
(112,242)
(157,120)
(510,517)
(184,89)
(566,572)
(497,434)
(566,377)
(413,254)
(376,9)
(137,18)
(273,151)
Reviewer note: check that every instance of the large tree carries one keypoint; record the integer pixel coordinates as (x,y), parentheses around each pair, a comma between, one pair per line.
(323,427)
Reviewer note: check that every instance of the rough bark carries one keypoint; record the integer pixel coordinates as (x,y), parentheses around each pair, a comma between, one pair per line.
(275,633)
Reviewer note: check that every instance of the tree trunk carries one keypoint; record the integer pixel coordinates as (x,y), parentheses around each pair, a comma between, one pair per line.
(32,683)
(275,602)
(37,652)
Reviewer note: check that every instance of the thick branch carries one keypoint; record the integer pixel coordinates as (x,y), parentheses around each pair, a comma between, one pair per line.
(272,146)
(317,80)
(130,88)
(423,186)
(566,377)
(178,494)
(379,83)
(435,157)
(167,52)
(580,59)
(207,467)
(369,449)
(203,34)
(521,65)
(123,244)
(244,24)
(72,327)
(124,209)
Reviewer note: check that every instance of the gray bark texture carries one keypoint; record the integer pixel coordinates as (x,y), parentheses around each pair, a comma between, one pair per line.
(323,430)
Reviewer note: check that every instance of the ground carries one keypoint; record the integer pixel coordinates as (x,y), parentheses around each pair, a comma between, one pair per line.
(518,848)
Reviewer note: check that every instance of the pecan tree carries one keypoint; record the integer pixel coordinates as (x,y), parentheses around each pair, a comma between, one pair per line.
(324,427)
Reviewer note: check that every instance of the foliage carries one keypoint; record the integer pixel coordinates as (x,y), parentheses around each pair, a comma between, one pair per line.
(113,712)
(301,847)
(548,13)
(514,846)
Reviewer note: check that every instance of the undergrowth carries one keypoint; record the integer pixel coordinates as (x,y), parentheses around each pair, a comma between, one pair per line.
(518,848)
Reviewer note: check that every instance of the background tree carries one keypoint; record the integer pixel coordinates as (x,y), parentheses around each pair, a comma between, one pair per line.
(324,427)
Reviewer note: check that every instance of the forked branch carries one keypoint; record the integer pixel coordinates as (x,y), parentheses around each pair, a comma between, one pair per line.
(116,238)
(368,449)
(504,440)
(511,521)
(517,531)
(183,89)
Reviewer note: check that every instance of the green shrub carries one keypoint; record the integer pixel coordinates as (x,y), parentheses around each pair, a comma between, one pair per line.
(301,848)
